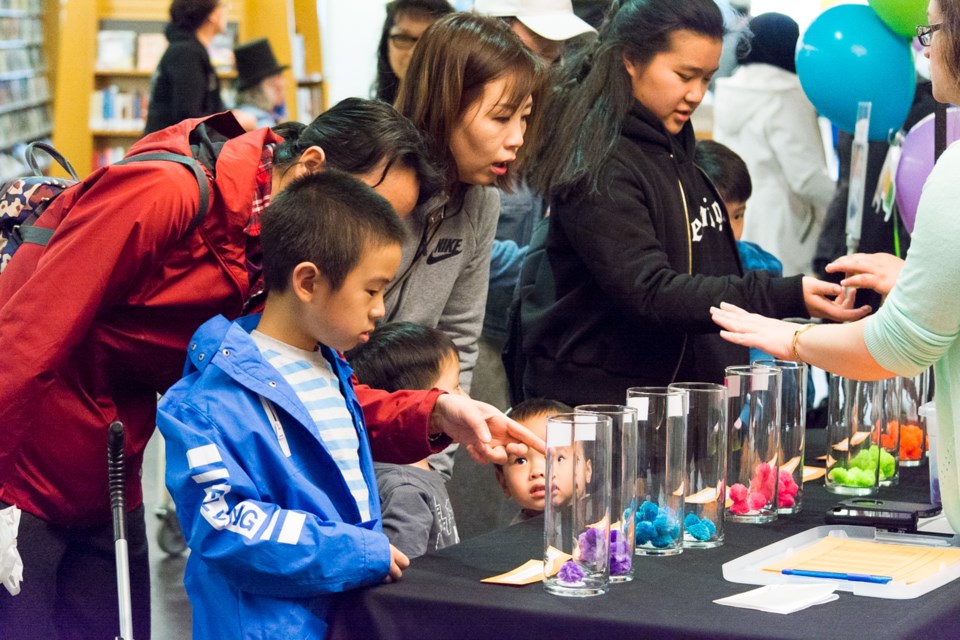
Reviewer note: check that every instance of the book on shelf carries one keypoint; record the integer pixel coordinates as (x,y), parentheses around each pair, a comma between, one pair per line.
(150,48)
(115,110)
(116,50)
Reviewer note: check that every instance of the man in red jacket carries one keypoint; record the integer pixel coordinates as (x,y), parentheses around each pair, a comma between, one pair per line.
(96,324)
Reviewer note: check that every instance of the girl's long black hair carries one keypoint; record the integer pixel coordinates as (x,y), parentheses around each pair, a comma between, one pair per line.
(589,103)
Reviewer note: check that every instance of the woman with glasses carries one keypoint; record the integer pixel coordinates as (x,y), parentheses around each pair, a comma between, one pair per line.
(406,21)
(186,84)
(918,324)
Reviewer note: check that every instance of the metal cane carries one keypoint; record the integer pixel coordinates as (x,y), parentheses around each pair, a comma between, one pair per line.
(117,504)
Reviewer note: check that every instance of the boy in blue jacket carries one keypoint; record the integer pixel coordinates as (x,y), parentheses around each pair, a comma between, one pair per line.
(268,460)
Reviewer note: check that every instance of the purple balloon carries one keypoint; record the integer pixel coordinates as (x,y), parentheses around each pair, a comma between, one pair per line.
(916,163)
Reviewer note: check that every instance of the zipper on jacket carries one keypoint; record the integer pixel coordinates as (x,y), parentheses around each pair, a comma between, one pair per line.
(277,427)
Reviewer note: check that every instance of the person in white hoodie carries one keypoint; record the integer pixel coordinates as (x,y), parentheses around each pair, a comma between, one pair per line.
(762,113)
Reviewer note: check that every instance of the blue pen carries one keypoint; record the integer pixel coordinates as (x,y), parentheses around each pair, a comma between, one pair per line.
(853,577)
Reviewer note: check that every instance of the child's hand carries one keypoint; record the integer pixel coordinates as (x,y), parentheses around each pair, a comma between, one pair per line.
(398,562)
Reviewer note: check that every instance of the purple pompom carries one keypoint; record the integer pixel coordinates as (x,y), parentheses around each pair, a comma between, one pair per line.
(570,572)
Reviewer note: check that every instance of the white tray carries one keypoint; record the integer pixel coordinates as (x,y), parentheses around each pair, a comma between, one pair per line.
(748,569)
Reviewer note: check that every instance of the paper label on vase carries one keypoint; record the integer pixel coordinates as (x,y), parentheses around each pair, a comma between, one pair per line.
(674,406)
(760,381)
(559,434)
(585,429)
(642,406)
(733,386)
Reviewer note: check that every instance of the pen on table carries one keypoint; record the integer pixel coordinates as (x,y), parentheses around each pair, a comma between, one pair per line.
(853,577)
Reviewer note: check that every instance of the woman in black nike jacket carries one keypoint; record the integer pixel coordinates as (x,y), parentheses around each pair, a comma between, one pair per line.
(638,245)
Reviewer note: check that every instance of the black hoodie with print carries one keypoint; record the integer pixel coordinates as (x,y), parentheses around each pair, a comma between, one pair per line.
(617,291)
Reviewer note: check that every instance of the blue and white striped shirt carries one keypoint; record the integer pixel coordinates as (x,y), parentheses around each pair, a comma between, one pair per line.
(312,378)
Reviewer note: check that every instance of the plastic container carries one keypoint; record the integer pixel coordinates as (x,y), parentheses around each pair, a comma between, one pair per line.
(929,412)
(748,569)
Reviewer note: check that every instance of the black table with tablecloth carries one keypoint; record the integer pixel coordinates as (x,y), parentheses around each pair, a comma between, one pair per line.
(441,595)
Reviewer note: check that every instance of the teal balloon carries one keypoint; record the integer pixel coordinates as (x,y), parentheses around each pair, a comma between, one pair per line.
(847,56)
(902,16)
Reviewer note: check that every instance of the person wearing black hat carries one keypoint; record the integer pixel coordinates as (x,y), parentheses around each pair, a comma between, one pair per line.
(762,113)
(260,83)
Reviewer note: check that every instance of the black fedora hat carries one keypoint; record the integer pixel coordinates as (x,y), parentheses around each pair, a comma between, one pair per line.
(255,61)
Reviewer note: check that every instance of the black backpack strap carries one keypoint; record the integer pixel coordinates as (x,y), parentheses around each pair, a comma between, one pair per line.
(31,234)
(29,154)
(198,173)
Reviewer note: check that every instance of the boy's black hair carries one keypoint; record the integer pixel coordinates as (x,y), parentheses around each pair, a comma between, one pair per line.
(726,170)
(537,407)
(328,218)
(401,355)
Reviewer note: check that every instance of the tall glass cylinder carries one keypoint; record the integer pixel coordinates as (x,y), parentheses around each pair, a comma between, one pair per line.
(661,469)
(753,462)
(706,481)
(623,499)
(913,424)
(577,509)
(793,429)
(856,463)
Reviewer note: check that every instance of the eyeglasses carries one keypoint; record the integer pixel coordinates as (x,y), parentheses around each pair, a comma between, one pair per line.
(925,33)
(403,41)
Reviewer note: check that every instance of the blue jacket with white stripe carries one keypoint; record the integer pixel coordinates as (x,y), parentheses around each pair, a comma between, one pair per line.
(272,526)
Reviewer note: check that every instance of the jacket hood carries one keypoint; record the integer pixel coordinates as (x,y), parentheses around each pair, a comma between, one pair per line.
(644,128)
(222,145)
(748,91)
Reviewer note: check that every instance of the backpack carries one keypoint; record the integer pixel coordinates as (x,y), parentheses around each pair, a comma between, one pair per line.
(23,200)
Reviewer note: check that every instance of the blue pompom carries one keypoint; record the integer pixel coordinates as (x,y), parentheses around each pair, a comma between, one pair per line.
(663,541)
(645,532)
(698,531)
(691,520)
(648,511)
(712,528)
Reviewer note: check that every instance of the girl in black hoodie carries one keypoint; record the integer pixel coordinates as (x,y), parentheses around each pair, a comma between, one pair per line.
(616,291)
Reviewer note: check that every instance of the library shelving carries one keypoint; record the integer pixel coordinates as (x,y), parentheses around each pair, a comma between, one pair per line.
(24,83)
(100,105)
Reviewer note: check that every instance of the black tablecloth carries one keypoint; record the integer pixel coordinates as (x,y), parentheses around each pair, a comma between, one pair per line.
(441,595)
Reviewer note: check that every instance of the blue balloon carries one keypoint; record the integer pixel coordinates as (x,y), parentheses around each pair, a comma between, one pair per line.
(848,55)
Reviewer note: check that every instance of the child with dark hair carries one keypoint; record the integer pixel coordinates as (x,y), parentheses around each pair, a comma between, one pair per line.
(267,453)
(417,514)
(522,478)
(729,174)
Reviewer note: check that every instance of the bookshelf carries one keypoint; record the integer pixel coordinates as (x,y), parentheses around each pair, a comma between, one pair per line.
(81,129)
(24,84)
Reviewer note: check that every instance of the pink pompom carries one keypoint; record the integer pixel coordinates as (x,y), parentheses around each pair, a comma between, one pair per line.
(786,500)
(739,508)
(763,480)
(738,493)
(787,481)
(756,501)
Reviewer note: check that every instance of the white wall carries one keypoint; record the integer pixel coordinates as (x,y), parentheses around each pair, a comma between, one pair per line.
(349,33)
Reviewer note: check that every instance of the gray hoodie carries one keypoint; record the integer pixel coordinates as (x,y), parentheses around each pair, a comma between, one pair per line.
(443,276)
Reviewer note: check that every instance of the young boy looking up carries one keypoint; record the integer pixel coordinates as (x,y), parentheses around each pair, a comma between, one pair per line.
(417,514)
(523,478)
(268,460)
